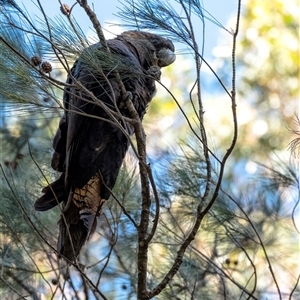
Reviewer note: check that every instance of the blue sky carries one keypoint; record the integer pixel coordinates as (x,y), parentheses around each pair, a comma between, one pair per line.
(107,10)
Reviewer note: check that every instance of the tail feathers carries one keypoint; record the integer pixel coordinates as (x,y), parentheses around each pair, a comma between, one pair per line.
(75,228)
(79,218)
(54,193)
(72,234)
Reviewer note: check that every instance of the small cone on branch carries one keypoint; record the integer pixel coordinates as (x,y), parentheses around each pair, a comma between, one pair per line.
(65,9)
(36,60)
(46,67)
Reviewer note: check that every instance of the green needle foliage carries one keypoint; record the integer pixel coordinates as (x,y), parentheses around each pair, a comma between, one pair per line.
(213,231)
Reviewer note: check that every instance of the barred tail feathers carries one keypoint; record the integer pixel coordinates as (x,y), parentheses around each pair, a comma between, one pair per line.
(79,218)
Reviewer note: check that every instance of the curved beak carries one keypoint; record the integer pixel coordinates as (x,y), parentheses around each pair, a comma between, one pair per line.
(165,57)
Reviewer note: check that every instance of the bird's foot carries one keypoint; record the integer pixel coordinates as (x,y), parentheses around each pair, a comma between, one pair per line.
(154,72)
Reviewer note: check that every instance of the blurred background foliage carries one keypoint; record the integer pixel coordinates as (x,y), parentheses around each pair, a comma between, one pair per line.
(252,226)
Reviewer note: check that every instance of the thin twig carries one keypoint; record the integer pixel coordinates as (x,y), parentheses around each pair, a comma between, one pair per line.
(294,288)
(198,62)
(83,43)
(120,204)
(157,205)
(234,116)
(260,241)
(146,202)
(201,213)
(233,238)
(95,22)
(13,288)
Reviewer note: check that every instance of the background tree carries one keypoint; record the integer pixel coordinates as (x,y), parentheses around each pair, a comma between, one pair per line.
(246,246)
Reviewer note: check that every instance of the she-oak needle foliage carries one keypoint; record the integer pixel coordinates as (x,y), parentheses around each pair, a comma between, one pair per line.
(206,238)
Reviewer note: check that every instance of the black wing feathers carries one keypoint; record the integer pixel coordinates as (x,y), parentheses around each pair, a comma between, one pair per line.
(89,144)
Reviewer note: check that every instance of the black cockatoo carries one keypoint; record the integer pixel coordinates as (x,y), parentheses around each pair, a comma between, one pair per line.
(89,143)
